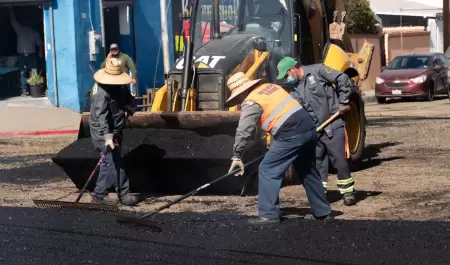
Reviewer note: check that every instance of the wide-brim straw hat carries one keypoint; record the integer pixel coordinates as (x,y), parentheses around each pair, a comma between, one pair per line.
(112,74)
(239,83)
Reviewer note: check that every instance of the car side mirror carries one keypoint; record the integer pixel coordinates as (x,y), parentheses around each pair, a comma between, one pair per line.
(437,67)
(383,68)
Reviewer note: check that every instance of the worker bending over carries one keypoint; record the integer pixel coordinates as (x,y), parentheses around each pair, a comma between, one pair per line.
(294,138)
(313,88)
(111,101)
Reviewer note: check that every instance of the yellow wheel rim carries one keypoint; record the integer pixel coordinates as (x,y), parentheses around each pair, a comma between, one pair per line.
(353,128)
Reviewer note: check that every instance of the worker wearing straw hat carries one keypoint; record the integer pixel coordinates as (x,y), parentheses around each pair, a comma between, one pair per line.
(110,103)
(294,140)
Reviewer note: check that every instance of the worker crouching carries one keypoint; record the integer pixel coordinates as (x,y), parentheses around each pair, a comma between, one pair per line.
(111,101)
(294,139)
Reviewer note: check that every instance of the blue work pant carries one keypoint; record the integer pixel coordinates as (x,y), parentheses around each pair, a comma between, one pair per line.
(26,63)
(298,150)
(112,173)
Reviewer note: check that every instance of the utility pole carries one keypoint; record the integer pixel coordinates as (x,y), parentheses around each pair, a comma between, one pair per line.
(165,36)
(446,16)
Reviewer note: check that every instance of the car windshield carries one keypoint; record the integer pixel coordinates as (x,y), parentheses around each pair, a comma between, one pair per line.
(410,62)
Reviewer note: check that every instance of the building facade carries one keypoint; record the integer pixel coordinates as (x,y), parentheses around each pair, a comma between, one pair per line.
(77,34)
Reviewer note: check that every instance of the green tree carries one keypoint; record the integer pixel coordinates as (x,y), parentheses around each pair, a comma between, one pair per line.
(360,17)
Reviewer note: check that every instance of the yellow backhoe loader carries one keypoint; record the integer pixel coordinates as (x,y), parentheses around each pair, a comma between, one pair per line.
(185,139)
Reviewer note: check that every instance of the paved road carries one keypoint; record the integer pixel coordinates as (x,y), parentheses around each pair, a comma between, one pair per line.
(32,236)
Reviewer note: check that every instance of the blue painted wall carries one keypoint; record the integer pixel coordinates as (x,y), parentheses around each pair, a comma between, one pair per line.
(65,52)
(73,19)
(147,27)
(48,55)
(74,78)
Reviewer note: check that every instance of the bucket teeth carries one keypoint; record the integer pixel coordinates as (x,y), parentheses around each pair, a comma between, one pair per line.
(76,205)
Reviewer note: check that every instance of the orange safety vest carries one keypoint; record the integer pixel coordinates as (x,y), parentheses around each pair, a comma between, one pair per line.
(277,104)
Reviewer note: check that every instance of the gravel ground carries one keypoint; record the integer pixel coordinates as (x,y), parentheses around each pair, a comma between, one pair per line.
(404,175)
(403,178)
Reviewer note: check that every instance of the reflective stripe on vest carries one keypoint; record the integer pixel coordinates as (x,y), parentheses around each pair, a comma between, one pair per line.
(277,105)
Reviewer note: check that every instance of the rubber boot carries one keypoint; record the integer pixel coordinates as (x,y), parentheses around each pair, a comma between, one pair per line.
(323,218)
(105,200)
(349,199)
(129,200)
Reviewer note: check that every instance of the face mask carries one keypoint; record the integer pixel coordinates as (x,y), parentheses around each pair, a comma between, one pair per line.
(291,80)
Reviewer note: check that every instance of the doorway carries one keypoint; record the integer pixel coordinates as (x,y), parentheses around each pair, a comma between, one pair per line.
(22,49)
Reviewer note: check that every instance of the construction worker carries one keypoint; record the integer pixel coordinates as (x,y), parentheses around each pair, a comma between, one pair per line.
(313,88)
(294,138)
(111,101)
(125,61)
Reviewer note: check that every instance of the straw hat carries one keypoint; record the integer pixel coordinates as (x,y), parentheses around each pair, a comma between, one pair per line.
(239,83)
(112,74)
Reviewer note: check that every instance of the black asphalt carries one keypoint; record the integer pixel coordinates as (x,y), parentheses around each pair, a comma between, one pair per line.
(50,236)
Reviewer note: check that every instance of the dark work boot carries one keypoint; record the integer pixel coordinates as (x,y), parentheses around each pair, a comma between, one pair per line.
(129,200)
(349,198)
(106,200)
(324,218)
(263,221)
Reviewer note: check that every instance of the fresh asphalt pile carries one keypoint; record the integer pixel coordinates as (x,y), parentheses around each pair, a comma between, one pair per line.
(170,161)
(33,236)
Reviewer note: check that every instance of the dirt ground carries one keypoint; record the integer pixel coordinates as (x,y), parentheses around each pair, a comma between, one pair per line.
(405,174)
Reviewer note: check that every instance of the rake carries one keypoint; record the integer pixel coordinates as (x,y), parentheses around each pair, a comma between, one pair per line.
(77,204)
(141,221)
(81,205)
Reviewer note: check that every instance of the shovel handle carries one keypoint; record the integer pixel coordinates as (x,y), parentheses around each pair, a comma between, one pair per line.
(229,174)
(325,124)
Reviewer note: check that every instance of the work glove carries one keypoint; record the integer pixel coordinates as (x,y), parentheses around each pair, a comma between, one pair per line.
(343,108)
(109,141)
(130,110)
(237,162)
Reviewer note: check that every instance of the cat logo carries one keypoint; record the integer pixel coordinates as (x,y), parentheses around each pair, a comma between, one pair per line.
(202,65)
(204,61)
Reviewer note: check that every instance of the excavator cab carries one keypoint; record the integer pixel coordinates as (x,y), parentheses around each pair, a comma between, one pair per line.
(186,138)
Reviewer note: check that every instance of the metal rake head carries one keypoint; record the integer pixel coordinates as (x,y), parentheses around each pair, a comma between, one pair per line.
(76,205)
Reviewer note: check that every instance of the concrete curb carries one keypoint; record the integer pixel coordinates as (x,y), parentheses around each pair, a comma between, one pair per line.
(37,133)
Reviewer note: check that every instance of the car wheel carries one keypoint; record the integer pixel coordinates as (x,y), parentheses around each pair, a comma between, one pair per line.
(448,91)
(430,95)
(383,100)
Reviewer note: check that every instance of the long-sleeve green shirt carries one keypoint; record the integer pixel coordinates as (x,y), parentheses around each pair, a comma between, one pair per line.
(126,63)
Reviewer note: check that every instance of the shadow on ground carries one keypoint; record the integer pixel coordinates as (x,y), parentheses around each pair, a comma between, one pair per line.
(335,196)
(371,155)
(35,236)
(399,100)
(29,169)
(399,121)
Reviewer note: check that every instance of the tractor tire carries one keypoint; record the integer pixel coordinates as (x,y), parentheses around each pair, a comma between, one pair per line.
(356,130)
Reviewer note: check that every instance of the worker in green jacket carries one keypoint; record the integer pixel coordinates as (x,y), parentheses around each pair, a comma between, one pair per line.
(126,63)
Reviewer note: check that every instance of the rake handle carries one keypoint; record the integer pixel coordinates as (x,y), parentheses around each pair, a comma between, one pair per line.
(90,177)
(193,192)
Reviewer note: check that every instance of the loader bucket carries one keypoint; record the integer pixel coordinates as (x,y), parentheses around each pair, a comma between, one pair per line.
(168,152)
